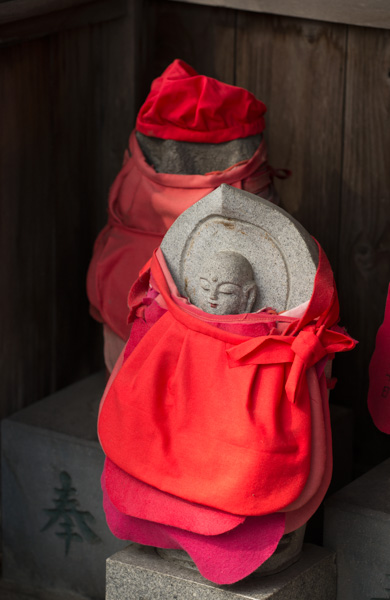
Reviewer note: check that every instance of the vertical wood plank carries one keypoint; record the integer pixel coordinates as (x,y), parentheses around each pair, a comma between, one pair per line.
(26,236)
(67,109)
(116,47)
(74,170)
(297,68)
(93,114)
(365,216)
(202,36)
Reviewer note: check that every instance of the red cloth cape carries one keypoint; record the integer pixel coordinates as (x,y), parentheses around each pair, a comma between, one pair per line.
(137,499)
(142,205)
(188,107)
(217,418)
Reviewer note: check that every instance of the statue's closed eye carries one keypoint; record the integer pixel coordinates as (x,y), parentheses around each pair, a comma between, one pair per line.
(204,284)
(229,288)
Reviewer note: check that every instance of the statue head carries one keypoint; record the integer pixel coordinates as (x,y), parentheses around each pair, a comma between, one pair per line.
(226,284)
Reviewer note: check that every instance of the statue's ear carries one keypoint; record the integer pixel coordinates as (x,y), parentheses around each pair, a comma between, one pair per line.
(251,296)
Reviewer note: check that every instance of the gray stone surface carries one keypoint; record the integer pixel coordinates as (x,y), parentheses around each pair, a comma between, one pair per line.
(189,158)
(138,573)
(48,449)
(357,527)
(287,553)
(282,254)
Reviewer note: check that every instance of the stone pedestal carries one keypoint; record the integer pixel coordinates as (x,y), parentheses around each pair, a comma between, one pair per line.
(357,527)
(139,573)
(54,529)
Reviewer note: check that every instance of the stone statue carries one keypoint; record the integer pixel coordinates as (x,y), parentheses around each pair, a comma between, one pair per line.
(230,433)
(226,284)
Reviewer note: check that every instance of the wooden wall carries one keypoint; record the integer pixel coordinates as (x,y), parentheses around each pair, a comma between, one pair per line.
(69,101)
(66,110)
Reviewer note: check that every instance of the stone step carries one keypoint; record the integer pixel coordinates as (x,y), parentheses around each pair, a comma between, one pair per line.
(357,527)
(54,529)
(139,573)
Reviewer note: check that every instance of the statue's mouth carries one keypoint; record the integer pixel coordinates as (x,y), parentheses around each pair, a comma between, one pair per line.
(213,305)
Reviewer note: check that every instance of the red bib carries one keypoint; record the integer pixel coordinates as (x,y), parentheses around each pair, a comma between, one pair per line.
(218,418)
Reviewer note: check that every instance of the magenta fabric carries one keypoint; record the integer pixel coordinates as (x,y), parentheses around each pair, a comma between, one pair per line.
(223,559)
(379,373)
(138,499)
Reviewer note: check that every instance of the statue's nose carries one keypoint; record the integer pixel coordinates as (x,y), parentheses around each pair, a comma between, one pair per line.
(213,292)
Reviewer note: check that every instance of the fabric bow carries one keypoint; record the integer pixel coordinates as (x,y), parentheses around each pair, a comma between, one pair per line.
(302,352)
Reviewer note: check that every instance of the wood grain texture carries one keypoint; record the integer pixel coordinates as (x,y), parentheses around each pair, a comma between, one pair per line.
(364,259)
(15,10)
(26,238)
(202,36)
(67,110)
(297,68)
(94,114)
(370,13)
(75,145)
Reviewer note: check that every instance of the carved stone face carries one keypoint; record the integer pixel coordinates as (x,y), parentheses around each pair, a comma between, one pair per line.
(226,285)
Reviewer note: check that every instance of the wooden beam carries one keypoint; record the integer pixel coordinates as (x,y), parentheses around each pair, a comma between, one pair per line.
(22,20)
(368,13)
(18,10)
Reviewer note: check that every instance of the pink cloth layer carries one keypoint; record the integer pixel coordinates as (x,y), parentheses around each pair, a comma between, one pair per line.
(223,559)
(138,499)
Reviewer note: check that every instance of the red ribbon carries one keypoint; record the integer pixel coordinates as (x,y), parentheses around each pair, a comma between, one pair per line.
(302,352)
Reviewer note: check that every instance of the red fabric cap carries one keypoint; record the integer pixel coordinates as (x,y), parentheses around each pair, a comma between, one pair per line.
(188,107)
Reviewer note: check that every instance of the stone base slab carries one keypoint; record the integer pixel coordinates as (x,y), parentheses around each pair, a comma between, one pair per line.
(357,527)
(139,573)
(54,529)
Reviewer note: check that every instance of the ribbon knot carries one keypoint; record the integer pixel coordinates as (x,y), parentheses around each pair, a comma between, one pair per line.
(308,347)
(308,351)
(302,352)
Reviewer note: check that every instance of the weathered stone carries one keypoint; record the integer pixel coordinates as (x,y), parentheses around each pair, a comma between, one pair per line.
(54,529)
(138,573)
(357,527)
(282,254)
(190,158)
